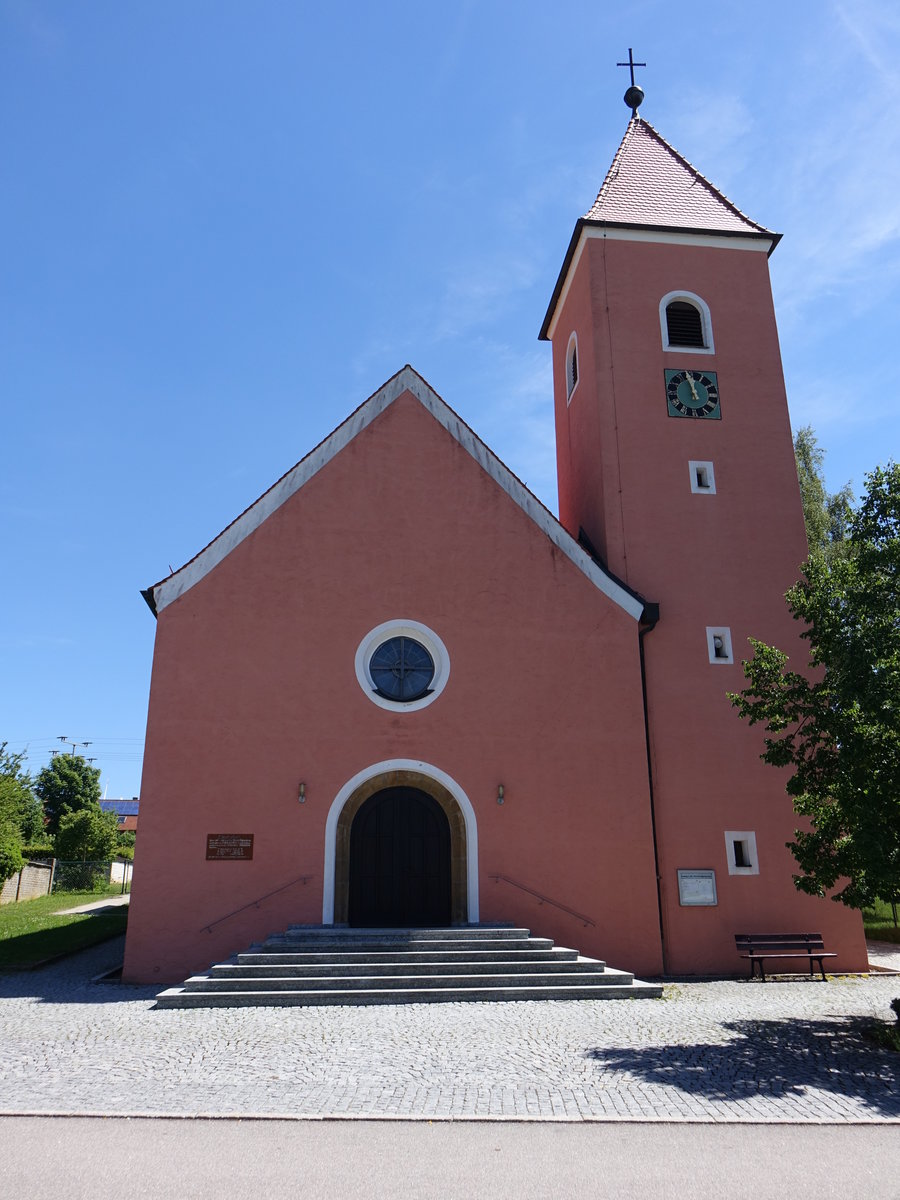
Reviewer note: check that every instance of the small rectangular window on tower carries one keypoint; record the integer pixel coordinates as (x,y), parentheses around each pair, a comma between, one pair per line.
(740,851)
(718,643)
(703,478)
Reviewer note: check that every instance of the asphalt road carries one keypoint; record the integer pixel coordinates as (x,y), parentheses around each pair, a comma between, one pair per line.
(78,1158)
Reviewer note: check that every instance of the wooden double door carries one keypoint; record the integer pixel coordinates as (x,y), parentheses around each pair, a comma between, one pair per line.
(400,861)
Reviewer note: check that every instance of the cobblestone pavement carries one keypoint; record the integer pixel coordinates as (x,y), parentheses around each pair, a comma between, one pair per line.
(710,1052)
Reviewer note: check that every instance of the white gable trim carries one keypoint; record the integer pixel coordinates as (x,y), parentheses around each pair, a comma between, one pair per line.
(669,237)
(406,380)
(564,291)
(677,237)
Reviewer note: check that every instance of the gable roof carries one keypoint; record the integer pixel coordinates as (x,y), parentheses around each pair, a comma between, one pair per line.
(161,594)
(651,187)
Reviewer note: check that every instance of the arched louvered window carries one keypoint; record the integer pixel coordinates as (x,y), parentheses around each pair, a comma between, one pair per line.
(684,324)
(571,366)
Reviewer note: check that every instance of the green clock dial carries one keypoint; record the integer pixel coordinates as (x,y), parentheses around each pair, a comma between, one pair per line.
(693,394)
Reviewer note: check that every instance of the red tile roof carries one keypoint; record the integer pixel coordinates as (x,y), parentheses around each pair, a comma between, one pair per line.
(649,183)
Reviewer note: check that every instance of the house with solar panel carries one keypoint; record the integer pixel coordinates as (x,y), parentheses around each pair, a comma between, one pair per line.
(126,812)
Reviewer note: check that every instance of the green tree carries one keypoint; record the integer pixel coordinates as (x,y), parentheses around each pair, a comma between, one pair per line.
(88,835)
(827,514)
(21,818)
(837,727)
(19,807)
(67,783)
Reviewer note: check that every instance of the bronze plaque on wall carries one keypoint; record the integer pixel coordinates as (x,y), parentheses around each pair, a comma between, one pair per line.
(230,846)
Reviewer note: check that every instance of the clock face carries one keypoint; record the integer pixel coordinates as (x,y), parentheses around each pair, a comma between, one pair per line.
(693,394)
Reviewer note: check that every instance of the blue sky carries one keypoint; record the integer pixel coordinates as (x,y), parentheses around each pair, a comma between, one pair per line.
(225,224)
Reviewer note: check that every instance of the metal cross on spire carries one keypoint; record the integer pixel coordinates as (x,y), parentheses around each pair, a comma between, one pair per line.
(634,95)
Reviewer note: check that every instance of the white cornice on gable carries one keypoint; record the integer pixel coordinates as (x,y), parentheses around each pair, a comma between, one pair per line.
(164,593)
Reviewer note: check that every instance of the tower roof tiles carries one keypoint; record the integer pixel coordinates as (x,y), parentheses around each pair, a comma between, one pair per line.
(650,183)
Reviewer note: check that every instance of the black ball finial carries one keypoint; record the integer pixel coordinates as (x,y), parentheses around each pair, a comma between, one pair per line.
(635,95)
(633,98)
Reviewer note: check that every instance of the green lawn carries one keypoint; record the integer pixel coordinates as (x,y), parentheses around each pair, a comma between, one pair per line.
(32,930)
(879,923)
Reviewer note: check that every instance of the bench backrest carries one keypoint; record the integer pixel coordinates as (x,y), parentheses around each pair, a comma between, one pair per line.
(774,942)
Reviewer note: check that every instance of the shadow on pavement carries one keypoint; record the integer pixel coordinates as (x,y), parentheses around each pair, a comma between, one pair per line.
(771,1058)
(71,980)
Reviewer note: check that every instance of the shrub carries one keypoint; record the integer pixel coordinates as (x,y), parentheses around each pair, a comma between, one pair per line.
(81,876)
(10,854)
(35,851)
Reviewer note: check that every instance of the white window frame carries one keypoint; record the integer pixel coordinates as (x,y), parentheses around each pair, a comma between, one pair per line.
(748,838)
(695,466)
(723,632)
(700,304)
(402,628)
(572,353)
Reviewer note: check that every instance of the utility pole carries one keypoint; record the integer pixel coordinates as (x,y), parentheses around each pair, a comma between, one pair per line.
(69,742)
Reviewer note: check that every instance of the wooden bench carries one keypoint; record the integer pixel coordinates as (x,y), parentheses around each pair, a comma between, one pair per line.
(760,946)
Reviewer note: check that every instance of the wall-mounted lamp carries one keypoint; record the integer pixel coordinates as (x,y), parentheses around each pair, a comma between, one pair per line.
(301,794)
(500,794)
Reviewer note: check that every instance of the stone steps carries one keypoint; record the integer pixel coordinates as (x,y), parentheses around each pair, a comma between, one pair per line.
(291,968)
(260,956)
(402,937)
(313,965)
(275,999)
(419,946)
(400,982)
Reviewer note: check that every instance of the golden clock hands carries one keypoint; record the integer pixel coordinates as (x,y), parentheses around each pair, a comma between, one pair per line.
(693,389)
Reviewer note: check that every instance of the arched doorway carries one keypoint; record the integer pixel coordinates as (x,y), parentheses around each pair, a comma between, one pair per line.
(400,860)
(423,777)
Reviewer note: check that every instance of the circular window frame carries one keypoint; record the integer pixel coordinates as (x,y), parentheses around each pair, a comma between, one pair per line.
(419,633)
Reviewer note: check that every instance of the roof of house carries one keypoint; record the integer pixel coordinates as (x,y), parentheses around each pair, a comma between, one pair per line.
(406,380)
(125,807)
(126,811)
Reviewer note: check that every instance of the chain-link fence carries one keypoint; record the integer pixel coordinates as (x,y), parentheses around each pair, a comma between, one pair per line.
(91,876)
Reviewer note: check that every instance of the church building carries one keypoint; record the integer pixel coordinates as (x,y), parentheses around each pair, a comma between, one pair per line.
(413,697)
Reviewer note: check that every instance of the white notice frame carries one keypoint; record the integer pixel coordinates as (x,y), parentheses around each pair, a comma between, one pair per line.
(697,888)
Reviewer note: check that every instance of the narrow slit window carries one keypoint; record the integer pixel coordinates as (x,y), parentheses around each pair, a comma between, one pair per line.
(703,478)
(571,366)
(718,643)
(740,849)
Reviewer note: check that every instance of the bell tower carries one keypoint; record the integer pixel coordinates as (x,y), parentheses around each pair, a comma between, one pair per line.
(676,469)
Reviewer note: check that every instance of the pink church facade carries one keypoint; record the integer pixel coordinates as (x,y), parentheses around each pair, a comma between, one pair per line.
(569,760)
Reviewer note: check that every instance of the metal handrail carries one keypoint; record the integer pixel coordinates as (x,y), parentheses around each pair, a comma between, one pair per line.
(255,903)
(545,899)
